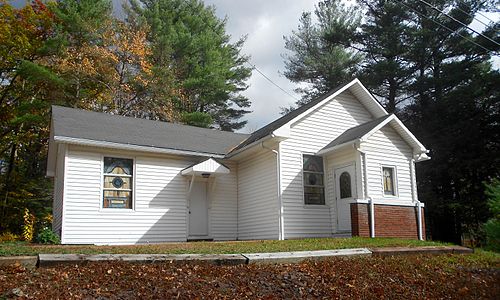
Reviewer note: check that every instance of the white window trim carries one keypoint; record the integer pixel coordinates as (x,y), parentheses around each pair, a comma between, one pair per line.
(395,181)
(307,205)
(102,189)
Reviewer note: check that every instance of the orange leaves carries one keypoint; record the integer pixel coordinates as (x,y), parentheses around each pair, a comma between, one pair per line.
(22,31)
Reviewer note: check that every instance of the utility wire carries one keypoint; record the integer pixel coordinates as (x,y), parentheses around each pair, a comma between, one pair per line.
(446,27)
(459,22)
(271,81)
(473,17)
(486,17)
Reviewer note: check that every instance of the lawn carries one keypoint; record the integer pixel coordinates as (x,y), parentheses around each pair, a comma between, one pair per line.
(474,276)
(20,248)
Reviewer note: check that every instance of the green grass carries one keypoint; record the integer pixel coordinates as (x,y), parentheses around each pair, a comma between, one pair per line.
(22,248)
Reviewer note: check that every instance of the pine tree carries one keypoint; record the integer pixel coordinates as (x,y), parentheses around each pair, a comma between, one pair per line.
(317,52)
(209,71)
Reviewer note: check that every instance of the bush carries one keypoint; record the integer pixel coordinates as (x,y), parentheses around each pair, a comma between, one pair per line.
(492,227)
(29,225)
(47,236)
(8,237)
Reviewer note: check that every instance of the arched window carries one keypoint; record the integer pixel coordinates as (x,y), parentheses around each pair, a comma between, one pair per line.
(117,189)
(345,185)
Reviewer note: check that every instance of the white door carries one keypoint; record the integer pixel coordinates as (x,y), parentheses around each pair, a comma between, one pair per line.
(345,188)
(198,211)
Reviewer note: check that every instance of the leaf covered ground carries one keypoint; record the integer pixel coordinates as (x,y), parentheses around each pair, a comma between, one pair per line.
(475,276)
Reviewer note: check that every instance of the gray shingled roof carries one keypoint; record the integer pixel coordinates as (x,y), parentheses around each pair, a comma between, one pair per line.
(81,124)
(355,133)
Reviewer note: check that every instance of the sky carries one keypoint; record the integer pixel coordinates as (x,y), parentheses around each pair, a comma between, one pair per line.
(265,22)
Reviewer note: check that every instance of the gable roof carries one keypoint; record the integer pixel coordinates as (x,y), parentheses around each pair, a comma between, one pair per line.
(93,128)
(364,131)
(354,133)
(357,88)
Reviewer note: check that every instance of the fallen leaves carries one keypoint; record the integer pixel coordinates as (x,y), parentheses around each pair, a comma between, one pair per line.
(361,278)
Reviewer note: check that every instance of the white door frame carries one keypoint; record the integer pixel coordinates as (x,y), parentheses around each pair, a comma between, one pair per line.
(188,212)
(337,171)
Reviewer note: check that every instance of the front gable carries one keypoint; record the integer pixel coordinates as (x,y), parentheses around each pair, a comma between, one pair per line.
(328,121)
(356,100)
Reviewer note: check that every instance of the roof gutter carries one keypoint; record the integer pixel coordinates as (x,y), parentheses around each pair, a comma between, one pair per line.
(257,142)
(113,145)
(336,147)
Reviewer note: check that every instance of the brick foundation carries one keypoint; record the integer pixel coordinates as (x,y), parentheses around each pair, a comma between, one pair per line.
(390,221)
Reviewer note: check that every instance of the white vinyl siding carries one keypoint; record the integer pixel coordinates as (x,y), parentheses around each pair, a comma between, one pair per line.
(385,148)
(309,135)
(57,207)
(159,211)
(334,160)
(223,196)
(258,210)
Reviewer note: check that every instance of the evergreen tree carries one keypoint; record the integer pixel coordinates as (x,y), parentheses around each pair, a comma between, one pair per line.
(318,55)
(384,38)
(189,40)
(456,114)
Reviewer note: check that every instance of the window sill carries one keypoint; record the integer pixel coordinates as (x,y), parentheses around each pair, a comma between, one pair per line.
(316,206)
(116,210)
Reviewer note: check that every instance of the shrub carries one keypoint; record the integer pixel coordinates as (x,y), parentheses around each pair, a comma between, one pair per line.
(29,225)
(492,227)
(8,237)
(47,236)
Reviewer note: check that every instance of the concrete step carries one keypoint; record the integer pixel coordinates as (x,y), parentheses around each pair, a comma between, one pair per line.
(298,256)
(47,260)
(25,261)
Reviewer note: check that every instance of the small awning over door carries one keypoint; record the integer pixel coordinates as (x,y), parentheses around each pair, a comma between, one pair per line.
(207,168)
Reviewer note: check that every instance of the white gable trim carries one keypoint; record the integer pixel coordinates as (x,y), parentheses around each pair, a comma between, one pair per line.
(337,147)
(418,149)
(209,166)
(362,95)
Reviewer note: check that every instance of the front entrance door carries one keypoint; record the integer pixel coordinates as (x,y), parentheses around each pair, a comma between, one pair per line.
(344,188)
(198,211)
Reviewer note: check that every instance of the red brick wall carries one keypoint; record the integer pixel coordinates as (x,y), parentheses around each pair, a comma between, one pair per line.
(390,221)
(360,224)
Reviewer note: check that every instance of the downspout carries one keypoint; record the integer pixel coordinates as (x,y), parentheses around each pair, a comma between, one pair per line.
(367,196)
(281,235)
(418,204)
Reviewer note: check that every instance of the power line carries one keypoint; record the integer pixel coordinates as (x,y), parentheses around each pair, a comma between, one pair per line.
(473,17)
(271,81)
(459,22)
(444,26)
(485,17)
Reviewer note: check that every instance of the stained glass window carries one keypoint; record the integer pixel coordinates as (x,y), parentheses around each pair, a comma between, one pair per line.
(118,175)
(314,188)
(345,185)
(388,180)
